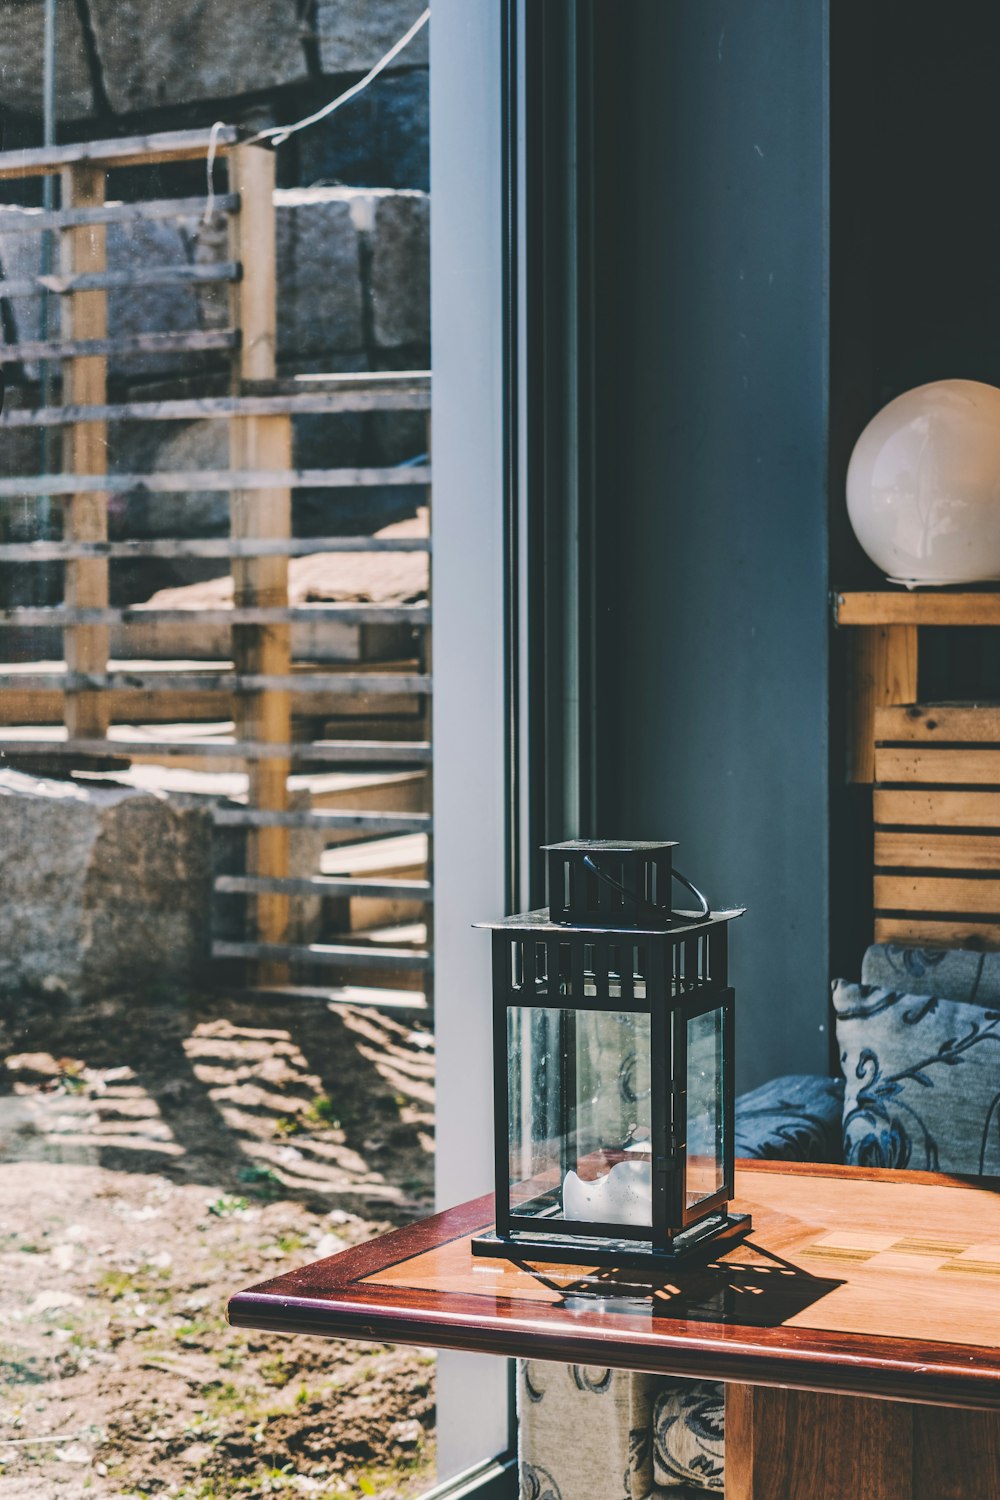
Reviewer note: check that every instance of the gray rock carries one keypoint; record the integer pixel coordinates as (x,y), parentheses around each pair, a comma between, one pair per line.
(382,136)
(319,307)
(180,50)
(105,887)
(400,270)
(354,34)
(174,448)
(22,59)
(151,309)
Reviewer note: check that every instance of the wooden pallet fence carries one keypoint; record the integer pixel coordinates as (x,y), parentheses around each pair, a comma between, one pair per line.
(937,825)
(96,697)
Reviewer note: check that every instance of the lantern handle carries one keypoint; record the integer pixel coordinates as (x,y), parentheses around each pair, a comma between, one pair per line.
(706,910)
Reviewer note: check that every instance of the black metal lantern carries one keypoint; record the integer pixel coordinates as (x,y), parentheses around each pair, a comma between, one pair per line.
(613,1067)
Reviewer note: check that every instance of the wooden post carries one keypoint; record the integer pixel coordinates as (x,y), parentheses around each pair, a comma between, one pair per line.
(85,316)
(883,673)
(813,1445)
(261,442)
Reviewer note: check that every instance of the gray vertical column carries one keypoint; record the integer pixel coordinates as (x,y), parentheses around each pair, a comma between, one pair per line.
(469,736)
(712,274)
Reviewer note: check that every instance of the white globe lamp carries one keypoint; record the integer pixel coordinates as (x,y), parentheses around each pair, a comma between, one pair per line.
(923,485)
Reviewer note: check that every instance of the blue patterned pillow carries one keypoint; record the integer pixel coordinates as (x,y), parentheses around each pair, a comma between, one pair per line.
(923,1080)
(688,1432)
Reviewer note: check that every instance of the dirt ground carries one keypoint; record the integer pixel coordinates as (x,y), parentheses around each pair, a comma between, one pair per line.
(157,1155)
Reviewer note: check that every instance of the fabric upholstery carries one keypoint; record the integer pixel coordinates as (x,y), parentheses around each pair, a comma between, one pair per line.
(797,1118)
(586,1432)
(953,973)
(923,1080)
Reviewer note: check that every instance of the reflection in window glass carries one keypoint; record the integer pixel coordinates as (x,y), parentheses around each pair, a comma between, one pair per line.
(705,1106)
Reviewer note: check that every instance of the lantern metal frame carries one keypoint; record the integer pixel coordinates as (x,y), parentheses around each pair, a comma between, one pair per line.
(671,973)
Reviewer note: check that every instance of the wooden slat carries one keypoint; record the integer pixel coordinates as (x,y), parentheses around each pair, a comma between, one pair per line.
(85,322)
(90,281)
(262,444)
(947,932)
(392,717)
(930,723)
(416,615)
(365,996)
(128,151)
(215,479)
(326,885)
(937,851)
(337,955)
(214,547)
(349,822)
(934,765)
(322,752)
(368,683)
(17,220)
(883,671)
(907,607)
(934,808)
(936,893)
(194,408)
(83,346)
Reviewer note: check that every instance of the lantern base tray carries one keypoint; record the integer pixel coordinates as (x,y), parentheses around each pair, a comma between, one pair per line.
(692,1248)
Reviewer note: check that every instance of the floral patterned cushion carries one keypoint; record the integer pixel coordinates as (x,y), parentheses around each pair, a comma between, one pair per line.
(688,1433)
(953,973)
(796,1118)
(923,1080)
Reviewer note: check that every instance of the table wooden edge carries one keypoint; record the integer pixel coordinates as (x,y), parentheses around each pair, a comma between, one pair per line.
(930,1372)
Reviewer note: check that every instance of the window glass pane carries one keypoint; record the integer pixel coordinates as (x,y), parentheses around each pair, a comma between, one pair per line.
(578,1089)
(705,1106)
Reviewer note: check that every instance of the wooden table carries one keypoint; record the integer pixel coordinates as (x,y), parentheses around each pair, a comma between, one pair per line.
(858,1329)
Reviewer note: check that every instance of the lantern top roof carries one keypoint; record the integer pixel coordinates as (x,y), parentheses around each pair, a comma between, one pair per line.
(611,846)
(539,922)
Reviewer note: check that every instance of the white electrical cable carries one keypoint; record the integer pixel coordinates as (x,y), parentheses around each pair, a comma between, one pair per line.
(280,133)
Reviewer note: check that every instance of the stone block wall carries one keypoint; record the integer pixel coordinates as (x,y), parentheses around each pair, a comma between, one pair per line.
(130,65)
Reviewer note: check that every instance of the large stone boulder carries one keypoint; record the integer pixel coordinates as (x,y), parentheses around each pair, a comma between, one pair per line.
(105,888)
(183,50)
(354,34)
(22,59)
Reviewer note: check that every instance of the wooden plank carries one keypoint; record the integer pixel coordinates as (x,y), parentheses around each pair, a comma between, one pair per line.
(127,151)
(213,547)
(937,851)
(906,607)
(933,808)
(365,753)
(85,323)
(153,706)
(194,408)
(337,955)
(349,822)
(945,932)
(85,346)
(956,1454)
(17,220)
(810,1445)
(327,885)
(375,684)
(417,616)
(90,281)
(883,671)
(261,443)
(938,765)
(216,479)
(365,996)
(930,723)
(937,893)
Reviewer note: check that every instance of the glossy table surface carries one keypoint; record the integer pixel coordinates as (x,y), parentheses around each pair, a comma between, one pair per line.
(864,1282)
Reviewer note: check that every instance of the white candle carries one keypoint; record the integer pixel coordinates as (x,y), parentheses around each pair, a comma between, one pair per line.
(622,1196)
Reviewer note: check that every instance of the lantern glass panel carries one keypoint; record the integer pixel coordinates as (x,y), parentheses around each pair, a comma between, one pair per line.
(706,1165)
(578,1087)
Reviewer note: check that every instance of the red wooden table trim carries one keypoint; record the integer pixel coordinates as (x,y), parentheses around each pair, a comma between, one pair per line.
(333,1298)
